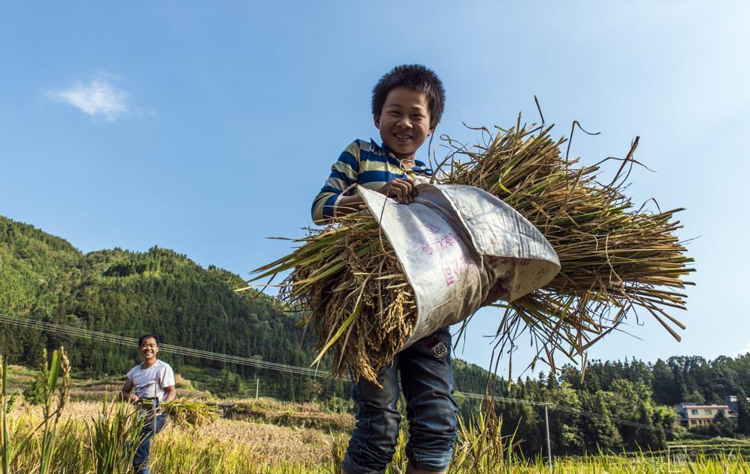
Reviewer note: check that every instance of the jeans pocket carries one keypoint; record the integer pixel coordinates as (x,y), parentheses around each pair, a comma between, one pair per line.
(438,345)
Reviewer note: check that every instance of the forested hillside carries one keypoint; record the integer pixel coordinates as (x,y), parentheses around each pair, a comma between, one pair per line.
(130,293)
(30,262)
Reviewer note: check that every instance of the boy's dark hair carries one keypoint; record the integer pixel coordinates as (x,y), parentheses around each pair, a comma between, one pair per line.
(415,77)
(146,336)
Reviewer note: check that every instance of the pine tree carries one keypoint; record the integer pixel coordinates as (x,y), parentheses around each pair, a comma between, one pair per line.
(743,413)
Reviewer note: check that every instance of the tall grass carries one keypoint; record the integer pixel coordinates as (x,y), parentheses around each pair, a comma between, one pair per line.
(56,376)
(58,371)
(114,438)
(4,438)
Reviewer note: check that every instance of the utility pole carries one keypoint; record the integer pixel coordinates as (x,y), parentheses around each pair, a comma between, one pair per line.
(549,446)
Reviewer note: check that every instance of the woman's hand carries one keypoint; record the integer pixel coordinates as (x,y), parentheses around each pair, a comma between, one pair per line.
(133,399)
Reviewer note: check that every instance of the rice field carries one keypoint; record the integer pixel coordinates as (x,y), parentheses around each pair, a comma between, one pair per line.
(224,446)
(242,447)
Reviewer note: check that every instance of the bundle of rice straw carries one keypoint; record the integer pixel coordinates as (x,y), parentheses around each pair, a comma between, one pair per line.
(614,259)
(185,412)
(352,291)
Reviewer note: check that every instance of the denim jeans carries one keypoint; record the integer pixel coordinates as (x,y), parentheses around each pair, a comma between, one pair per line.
(427,381)
(153,426)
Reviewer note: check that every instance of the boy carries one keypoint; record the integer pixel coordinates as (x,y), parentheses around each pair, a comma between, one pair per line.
(152,379)
(407,104)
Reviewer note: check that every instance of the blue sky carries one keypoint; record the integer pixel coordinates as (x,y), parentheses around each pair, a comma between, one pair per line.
(206,128)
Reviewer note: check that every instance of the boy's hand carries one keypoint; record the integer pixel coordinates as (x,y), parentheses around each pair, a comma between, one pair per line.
(133,399)
(404,190)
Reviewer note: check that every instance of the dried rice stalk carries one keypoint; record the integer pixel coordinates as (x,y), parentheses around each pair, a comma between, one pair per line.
(352,291)
(613,258)
(185,412)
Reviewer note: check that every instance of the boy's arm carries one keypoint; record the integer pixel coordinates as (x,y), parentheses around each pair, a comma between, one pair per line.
(344,174)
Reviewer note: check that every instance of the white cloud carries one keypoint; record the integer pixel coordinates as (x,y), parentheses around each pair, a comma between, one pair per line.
(98,98)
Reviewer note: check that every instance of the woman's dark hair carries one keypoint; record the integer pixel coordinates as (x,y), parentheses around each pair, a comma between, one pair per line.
(146,336)
(415,77)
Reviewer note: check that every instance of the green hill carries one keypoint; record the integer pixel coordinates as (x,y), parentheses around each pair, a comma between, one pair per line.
(30,260)
(131,293)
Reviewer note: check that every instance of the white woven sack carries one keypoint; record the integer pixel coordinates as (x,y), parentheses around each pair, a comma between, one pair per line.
(461,248)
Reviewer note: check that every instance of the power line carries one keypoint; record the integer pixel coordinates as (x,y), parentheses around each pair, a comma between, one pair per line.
(62,329)
(98,336)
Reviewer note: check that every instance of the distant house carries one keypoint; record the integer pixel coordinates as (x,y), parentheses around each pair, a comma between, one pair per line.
(692,414)
(732,402)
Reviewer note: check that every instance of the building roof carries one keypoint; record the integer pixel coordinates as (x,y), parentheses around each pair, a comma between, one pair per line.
(689,405)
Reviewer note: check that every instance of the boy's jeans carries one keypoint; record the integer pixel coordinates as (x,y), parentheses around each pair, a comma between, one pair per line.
(154,425)
(427,380)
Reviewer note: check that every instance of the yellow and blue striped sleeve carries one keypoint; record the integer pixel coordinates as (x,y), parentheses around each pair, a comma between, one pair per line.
(344,173)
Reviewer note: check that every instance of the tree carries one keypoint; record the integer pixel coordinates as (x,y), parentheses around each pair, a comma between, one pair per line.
(34,393)
(599,432)
(564,425)
(663,385)
(721,426)
(743,413)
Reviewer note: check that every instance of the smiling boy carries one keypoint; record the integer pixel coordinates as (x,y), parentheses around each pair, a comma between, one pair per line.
(407,104)
(153,380)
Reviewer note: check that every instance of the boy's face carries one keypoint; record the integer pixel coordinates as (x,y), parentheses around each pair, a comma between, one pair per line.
(404,122)
(148,349)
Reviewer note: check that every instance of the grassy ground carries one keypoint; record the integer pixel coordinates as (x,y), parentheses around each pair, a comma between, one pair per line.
(296,415)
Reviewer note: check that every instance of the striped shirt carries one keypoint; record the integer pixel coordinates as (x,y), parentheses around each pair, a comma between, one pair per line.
(363,163)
